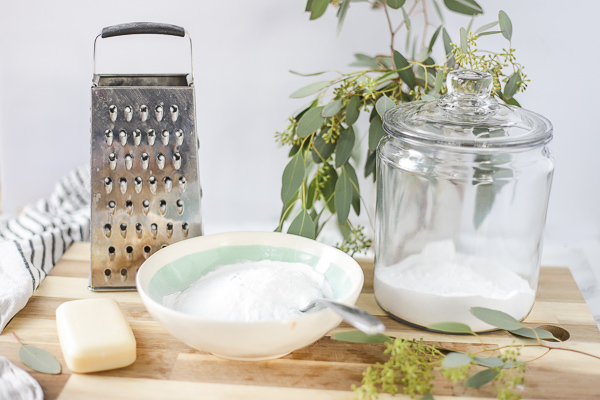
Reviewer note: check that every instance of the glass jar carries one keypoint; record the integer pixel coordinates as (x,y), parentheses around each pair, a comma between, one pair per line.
(462,192)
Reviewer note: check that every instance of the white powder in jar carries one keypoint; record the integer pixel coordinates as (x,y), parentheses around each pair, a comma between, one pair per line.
(252,291)
(441,285)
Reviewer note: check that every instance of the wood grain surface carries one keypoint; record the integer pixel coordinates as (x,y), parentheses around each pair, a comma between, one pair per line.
(167,368)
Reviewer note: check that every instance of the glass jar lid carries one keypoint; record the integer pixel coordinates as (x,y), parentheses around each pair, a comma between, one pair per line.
(467,116)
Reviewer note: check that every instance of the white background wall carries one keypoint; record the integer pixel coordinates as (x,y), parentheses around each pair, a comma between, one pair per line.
(242,53)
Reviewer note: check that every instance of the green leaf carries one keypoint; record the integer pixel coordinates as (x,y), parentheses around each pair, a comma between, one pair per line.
(395,4)
(310,89)
(331,108)
(512,85)
(438,10)
(404,69)
(345,144)
(361,337)
(464,41)
(384,104)
(310,122)
(484,200)
(505,25)
(513,102)
(321,150)
(455,360)
(528,333)
(451,327)
(318,8)
(434,38)
(352,110)
(406,18)
(428,396)
(428,97)
(311,74)
(466,7)
(481,378)
(309,4)
(363,60)
(343,196)
(355,188)
(496,318)
(486,27)
(495,362)
(303,225)
(376,132)
(448,47)
(292,178)
(341,14)
(371,164)
(329,182)
(439,81)
(39,359)
(489,33)
(311,195)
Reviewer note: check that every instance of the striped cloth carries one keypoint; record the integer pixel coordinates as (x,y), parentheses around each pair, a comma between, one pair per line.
(33,242)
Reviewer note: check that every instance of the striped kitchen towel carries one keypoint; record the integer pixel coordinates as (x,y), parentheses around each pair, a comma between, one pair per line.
(33,242)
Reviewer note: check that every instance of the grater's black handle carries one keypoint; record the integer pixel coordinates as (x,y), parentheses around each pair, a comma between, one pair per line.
(142,28)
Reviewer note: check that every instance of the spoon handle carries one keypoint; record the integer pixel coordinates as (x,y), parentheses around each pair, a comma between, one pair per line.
(355,316)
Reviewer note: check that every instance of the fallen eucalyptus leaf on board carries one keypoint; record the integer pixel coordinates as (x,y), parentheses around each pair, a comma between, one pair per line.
(38,359)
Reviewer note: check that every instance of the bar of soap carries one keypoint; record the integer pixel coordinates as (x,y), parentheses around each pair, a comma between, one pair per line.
(94,335)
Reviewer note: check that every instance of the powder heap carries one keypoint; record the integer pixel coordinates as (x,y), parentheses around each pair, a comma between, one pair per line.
(252,291)
(441,285)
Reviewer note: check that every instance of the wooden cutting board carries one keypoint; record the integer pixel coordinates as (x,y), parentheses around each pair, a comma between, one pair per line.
(167,368)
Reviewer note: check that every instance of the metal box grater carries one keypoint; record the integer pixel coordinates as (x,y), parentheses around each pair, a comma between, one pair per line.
(144,166)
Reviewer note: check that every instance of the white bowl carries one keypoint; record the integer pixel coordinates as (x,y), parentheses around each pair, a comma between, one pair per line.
(175,267)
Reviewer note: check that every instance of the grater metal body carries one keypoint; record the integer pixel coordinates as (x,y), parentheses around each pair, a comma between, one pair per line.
(144,172)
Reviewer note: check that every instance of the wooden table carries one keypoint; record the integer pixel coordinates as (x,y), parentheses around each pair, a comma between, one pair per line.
(168,369)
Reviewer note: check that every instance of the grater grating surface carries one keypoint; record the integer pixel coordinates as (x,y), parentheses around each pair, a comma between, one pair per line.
(144,172)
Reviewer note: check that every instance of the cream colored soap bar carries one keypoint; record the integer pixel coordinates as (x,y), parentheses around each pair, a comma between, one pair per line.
(94,335)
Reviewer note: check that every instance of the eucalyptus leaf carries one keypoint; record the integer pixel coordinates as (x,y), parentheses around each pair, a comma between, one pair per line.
(395,4)
(455,360)
(490,362)
(286,211)
(484,200)
(352,110)
(376,132)
(485,27)
(371,164)
(512,85)
(309,4)
(496,318)
(302,225)
(345,144)
(384,104)
(387,62)
(451,327)
(361,337)
(341,14)
(466,7)
(39,360)
(310,122)
(332,108)
(428,97)
(490,33)
(481,378)
(310,89)
(528,333)
(355,188)
(406,18)
(428,396)
(439,81)
(433,39)
(318,8)
(363,60)
(328,183)
(292,178)
(464,41)
(311,74)
(448,48)
(321,150)
(505,25)
(404,69)
(343,196)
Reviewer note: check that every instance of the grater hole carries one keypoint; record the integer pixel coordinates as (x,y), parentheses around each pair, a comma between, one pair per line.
(159,112)
(129,249)
(146,203)
(112,112)
(147,249)
(107,230)
(107,272)
(123,273)
(108,135)
(163,246)
(151,137)
(111,255)
(182,183)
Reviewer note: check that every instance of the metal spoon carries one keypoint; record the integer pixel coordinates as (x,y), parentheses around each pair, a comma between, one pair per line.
(355,316)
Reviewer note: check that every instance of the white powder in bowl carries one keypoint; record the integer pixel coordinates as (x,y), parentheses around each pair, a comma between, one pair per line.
(252,291)
(441,285)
